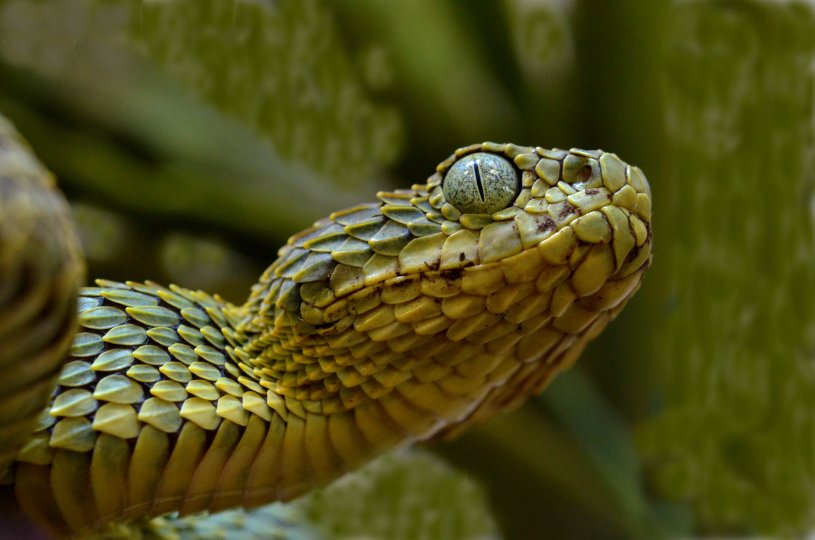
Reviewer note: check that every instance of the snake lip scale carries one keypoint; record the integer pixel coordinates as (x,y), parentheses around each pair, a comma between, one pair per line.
(401,320)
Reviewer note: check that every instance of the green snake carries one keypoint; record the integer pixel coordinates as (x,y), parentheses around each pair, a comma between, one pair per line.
(392,322)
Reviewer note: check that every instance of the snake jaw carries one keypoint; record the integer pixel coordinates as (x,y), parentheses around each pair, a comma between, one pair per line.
(386,323)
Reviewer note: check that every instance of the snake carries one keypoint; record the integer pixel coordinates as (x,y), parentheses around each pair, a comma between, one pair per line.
(405,319)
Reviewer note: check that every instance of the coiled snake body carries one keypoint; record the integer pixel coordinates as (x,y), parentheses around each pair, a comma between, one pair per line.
(381,325)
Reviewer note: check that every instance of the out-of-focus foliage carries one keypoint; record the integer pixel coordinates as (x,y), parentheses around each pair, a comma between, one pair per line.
(196,135)
(280,68)
(88,97)
(735,330)
(412,495)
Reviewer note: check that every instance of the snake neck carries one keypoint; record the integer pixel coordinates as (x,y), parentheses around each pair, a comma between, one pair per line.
(320,361)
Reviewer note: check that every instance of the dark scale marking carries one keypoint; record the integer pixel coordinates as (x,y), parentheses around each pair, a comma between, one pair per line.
(477,172)
(566,210)
(547,225)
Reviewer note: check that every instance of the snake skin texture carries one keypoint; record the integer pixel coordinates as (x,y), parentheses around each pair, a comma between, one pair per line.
(41,269)
(383,324)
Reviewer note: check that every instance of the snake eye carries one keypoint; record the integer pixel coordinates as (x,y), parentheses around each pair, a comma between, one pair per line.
(481,183)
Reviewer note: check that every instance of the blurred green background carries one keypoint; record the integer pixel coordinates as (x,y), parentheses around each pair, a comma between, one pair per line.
(194,136)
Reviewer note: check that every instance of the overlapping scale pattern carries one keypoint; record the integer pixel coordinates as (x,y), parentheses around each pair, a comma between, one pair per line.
(382,324)
(41,271)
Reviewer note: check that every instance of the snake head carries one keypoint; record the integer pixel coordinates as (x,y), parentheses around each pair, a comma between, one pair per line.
(554,241)
(457,297)
(510,199)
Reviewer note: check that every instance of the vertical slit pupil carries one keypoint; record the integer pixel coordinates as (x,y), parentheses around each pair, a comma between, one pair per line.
(477,173)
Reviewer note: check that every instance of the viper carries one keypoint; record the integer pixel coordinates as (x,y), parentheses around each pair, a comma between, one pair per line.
(400,320)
